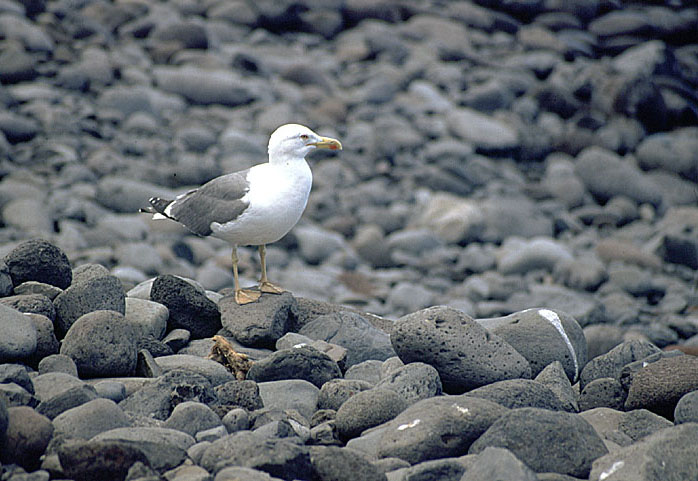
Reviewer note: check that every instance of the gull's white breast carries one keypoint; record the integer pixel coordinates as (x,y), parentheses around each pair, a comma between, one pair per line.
(277,198)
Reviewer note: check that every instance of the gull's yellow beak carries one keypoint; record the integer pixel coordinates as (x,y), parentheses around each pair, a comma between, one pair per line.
(327,143)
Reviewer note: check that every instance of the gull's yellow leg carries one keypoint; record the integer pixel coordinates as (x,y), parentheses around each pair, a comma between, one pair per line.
(264,284)
(242,296)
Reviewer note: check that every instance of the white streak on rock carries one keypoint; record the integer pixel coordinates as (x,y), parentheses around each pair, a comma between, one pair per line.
(402,427)
(557,324)
(615,467)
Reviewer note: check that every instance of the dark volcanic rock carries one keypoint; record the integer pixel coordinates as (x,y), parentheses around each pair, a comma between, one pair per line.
(519,393)
(107,460)
(189,308)
(100,293)
(38,260)
(296,363)
(464,353)
(102,344)
(367,409)
(569,442)
(259,323)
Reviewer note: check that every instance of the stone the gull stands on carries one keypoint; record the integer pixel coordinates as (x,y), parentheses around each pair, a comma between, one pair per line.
(255,206)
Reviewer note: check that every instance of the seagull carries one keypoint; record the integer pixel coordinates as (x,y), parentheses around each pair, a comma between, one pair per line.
(255,206)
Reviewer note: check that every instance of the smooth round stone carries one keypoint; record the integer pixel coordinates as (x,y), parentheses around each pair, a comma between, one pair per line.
(102,344)
(27,436)
(147,318)
(18,336)
(290,394)
(90,419)
(58,363)
(192,417)
(367,409)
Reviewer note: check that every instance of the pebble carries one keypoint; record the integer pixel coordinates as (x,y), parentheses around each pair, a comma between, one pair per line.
(18,336)
(259,324)
(27,435)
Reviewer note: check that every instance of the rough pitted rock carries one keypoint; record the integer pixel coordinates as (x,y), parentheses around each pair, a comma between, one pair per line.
(342,464)
(107,460)
(569,442)
(278,457)
(38,260)
(31,303)
(602,392)
(189,308)
(336,391)
(244,394)
(102,344)
(555,378)
(660,385)
(99,293)
(519,393)
(437,427)
(667,455)
(543,336)
(611,364)
(414,381)
(295,363)
(18,336)
(28,434)
(621,428)
(348,329)
(464,353)
(367,409)
(158,399)
(259,323)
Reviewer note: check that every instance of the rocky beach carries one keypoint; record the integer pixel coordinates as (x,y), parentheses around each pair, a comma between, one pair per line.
(496,278)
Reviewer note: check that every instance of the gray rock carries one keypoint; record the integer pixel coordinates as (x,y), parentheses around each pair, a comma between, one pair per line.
(606,175)
(101,293)
(569,442)
(189,309)
(234,473)
(463,352)
(672,151)
(26,438)
(46,342)
(191,417)
(362,340)
(553,376)
(336,391)
(611,364)
(278,457)
(114,390)
(157,399)
(28,215)
(164,448)
(519,393)
(102,344)
(686,410)
(244,394)
(369,371)
(438,427)
(34,287)
(290,394)
(602,392)
(127,195)
(449,469)
(31,303)
(16,395)
(317,245)
(236,420)
(367,409)
(498,463)
(601,338)
(38,260)
(649,388)
(68,399)
(18,128)
(53,383)
(18,336)
(486,133)
(90,419)
(16,373)
(104,460)
(518,256)
(543,336)
(342,464)
(206,87)
(413,382)
(211,370)
(296,363)
(668,451)
(260,323)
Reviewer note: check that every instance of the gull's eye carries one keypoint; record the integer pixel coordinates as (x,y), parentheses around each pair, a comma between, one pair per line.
(304,137)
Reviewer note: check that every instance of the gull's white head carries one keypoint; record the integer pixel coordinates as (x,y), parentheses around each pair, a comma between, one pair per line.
(294,141)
